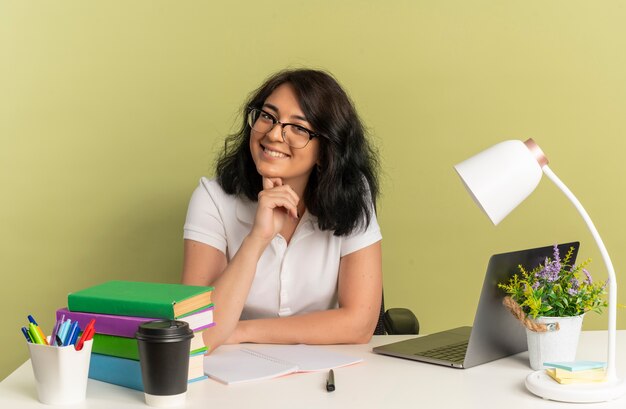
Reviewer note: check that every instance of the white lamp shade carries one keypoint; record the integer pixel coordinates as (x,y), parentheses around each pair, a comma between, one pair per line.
(501,177)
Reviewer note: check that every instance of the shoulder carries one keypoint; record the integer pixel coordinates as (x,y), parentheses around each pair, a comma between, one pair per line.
(209,197)
(211,186)
(210,189)
(362,236)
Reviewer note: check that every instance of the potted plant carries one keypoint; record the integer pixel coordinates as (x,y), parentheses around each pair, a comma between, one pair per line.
(551,300)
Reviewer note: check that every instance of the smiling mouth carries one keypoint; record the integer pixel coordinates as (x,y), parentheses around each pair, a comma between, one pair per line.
(273,154)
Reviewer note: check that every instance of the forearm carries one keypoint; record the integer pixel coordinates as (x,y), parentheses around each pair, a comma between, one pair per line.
(231,290)
(338,326)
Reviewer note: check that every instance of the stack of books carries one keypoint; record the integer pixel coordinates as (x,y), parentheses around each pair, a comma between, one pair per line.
(576,372)
(120,307)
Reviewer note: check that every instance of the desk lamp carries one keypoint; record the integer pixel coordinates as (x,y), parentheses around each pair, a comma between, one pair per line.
(500,178)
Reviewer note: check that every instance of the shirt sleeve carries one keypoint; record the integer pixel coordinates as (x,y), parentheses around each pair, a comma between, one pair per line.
(204,222)
(361,238)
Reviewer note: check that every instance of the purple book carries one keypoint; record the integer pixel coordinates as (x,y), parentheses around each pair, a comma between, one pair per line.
(126,326)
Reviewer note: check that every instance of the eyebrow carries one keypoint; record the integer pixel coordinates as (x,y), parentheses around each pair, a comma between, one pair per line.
(275,109)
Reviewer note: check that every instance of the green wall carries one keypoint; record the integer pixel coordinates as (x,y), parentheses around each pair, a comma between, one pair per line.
(111,111)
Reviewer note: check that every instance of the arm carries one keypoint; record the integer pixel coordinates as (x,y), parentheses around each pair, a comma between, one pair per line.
(205,265)
(360,289)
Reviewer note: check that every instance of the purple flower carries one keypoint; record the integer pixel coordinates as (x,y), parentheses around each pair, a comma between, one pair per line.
(535,285)
(588,279)
(557,257)
(575,285)
(551,271)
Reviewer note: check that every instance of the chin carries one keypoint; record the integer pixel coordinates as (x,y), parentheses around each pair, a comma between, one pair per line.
(268,173)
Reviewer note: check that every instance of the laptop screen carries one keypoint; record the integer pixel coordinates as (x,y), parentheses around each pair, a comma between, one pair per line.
(496,332)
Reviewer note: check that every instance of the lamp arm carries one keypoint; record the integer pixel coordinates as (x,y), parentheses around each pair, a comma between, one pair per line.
(612,286)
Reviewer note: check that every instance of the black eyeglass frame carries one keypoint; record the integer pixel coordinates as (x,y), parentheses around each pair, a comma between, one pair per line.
(282,127)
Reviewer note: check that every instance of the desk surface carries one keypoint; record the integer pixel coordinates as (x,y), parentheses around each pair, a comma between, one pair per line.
(378,382)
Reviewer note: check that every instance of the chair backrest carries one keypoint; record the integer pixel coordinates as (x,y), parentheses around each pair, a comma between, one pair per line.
(396,321)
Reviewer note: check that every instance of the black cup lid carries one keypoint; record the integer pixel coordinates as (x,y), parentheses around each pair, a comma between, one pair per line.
(164,330)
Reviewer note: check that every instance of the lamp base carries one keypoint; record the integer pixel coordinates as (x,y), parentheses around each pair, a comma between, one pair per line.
(542,385)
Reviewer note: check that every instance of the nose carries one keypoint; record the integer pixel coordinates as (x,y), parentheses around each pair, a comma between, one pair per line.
(276,133)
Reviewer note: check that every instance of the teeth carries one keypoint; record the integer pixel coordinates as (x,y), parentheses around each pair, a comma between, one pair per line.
(274,154)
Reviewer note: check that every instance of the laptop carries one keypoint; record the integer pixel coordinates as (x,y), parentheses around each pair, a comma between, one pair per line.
(495,333)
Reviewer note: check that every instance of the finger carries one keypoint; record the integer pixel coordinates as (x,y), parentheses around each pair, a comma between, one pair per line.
(274,199)
(288,189)
(293,194)
(269,183)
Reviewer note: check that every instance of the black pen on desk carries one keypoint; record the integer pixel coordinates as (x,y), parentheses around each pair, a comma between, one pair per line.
(330,382)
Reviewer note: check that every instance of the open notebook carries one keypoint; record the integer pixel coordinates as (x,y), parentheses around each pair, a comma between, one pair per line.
(255,363)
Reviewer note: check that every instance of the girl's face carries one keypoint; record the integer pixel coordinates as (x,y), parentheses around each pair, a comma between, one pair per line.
(272,156)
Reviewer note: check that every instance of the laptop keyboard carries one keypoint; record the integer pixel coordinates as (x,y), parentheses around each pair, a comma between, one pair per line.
(452,352)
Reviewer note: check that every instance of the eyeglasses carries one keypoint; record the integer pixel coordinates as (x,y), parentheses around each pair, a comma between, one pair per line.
(294,135)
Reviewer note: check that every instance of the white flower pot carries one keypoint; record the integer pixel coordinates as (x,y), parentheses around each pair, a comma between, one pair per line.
(554,346)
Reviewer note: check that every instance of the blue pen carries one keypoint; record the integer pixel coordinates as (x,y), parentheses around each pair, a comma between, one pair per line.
(62,333)
(31,319)
(26,334)
(75,335)
(70,334)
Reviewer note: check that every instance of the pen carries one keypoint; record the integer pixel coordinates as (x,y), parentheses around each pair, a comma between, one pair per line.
(44,340)
(86,336)
(70,334)
(34,334)
(26,334)
(62,333)
(53,336)
(330,382)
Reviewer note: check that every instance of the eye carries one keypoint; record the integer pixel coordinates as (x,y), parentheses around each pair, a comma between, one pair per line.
(265,117)
(300,131)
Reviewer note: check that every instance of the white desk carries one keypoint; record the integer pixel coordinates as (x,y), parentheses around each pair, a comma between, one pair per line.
(378,382)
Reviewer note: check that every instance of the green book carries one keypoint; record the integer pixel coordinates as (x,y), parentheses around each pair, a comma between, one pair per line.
(115,346)
(142,299)
(123,347)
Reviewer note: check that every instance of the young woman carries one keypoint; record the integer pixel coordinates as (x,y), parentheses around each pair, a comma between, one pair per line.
(287,231)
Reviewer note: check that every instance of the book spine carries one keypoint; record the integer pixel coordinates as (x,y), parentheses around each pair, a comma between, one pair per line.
(122,347)
(111,345)
(126,326)
(119,325)
(138,308)
(118,371)
(124,372)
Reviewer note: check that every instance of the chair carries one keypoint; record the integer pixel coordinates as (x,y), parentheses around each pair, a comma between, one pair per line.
(396,321)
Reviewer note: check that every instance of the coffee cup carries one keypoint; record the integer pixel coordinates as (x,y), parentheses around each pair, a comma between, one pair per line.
(164,347)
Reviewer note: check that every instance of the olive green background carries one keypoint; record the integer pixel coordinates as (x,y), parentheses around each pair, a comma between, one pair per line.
(111,111)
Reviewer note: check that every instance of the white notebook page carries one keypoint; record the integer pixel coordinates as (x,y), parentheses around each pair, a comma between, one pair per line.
(253,363)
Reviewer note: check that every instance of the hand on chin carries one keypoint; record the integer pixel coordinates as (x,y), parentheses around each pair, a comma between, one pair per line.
(271,182)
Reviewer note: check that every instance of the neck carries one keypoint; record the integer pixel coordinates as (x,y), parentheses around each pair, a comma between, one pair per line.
(297,185)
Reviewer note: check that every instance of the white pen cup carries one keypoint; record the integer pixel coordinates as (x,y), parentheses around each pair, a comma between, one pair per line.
(60,372)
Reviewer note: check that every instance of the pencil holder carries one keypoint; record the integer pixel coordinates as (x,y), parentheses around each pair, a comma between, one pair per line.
(60,372)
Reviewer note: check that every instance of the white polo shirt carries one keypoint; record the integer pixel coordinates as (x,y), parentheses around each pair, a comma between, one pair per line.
(290,279)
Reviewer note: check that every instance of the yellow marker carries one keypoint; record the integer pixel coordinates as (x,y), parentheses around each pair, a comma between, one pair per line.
(34,334)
